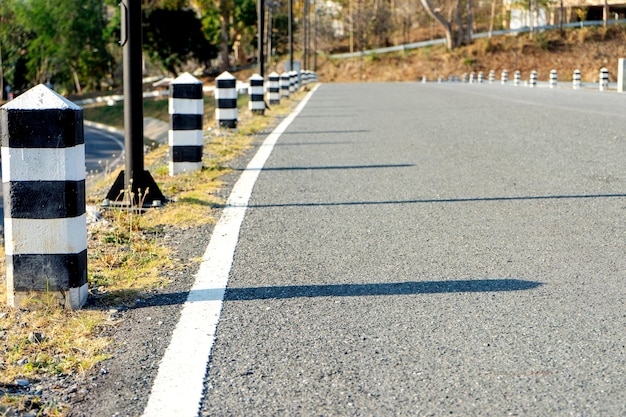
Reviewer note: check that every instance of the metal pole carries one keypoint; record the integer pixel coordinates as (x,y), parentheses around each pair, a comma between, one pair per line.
(261,36)
(290,12)
(134,178)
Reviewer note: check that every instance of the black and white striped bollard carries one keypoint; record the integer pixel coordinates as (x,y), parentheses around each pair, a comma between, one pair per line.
(285,85)
(604,79)
(553,78)
(481,77)
(533,79)
(492,76)
(576,80)
(43,167)
(504,77)
(517,76)
(186,108)
(273,88)
(256,104)
(293,82)
(226,100)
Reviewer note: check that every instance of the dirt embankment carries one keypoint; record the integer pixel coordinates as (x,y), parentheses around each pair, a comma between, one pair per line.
(586,49)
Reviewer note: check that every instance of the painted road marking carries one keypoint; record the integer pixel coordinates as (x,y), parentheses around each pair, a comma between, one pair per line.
(178,386)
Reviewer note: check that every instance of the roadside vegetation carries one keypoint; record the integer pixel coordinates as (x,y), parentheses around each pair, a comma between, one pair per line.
(128,256)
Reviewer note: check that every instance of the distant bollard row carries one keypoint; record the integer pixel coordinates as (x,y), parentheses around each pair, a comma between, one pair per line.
(603,78)
(43,167)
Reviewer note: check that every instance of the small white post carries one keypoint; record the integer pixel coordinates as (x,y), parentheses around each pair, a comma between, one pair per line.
(621,75)
(273,88)
(504,77)
(604,79)
(256,104)
(553,78)
(517,76)
(533,79)
(576,80)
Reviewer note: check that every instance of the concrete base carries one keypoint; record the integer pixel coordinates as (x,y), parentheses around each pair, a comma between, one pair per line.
(72,299)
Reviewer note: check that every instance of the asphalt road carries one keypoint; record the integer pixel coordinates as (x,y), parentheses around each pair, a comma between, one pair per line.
(103,151)
(432,249)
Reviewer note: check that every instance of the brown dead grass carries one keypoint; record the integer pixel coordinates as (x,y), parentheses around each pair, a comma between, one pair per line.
(586,49)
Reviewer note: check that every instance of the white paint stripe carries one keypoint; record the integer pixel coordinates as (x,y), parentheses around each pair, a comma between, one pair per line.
(178,387)
(185,137)
(186,106)
(43,164)
(226,114)
(45,236)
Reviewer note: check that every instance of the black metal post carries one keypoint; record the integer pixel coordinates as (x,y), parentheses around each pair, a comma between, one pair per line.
(143,189)
(290,12)
(261,36)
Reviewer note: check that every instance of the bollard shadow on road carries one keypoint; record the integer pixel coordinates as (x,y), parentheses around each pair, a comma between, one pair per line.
(436,200)
(343,290)
(330,167)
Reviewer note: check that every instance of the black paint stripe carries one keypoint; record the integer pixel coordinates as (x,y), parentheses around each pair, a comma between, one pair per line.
(192,91)
(256,97)
(186,153)
(273,90)
(43,272)
(186,122)
(226,83)
(228,123)
(256,83)
(52,128)
(226,103)
(44,199)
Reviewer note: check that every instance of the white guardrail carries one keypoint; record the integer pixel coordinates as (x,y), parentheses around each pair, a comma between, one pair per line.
(442,41)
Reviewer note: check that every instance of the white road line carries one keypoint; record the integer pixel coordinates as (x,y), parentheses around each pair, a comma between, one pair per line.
(179,384)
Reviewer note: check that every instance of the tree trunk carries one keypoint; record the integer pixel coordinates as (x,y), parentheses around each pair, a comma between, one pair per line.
(468,29)
(492,18)
(435,14)
(605,13)
(459,23)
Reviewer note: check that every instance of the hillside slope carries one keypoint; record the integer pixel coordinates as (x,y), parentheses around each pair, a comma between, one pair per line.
(586,49)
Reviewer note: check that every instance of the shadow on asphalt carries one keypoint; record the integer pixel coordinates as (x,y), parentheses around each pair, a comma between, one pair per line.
(323,168)
(344,290)
(434,200)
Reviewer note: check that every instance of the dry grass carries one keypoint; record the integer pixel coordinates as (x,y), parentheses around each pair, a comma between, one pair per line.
(127,257)
(587,49)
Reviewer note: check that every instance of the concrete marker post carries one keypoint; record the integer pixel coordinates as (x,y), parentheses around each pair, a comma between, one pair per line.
(517,76)
(576,80)
(492,77)
(273,88)
(604,79)
(43,179)
(285,85)
(226,100)
(481,77)
(553,78)
(293,82)
(256,104)
(185,136)
(621,75)
(504,77)
(532,81)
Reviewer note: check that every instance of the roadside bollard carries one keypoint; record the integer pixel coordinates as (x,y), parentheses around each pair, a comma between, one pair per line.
(464,77)
(256,104)
(186,109)
(424,79)
(517,76)
(576,80)
(472,78)
(285,83)
(273,88)
(481,77)
(439,79)
(504,77)
(604,79)
(492,76)
(226,100)
(553,78)
(533,79)
(293,82)
(45,229)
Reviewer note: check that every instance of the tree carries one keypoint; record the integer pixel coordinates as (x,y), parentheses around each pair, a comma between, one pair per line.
(174,36)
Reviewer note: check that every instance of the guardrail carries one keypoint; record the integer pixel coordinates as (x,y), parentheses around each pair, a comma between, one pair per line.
(442,41)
